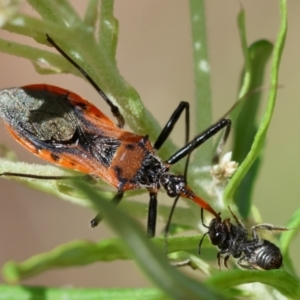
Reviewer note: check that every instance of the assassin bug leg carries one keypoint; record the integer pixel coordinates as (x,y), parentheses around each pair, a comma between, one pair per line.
(115,200)
(152,215)
(196,142)
(158,143)
(221,144)
(171,123)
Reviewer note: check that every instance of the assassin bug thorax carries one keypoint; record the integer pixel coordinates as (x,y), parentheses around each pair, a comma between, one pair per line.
(61,127)
(253,254)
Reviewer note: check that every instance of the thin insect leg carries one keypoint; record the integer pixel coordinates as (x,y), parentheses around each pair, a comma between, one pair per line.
(244,263)
(115,200)
(239,223)
(268,227)
(198,140)
(219,258)
(201,241)
(167,228)
(221,144)
(163,136)
(202,221)
(226,260)
(152,215)
(171,123)
(114,109)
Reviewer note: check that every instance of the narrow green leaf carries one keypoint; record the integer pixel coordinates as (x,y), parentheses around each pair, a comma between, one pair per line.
(8,9)
(108,29)
(76,253)
(44,60)
(247,68)
(46,293)
(262,131)
(91,14)
(246,121)
(79,253)
(282,281)
(244,117)
(35,28)
(286,239)
(202,76)
(294,226)
(56,11)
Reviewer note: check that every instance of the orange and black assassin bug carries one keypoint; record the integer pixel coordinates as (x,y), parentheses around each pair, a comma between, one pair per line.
(63,128)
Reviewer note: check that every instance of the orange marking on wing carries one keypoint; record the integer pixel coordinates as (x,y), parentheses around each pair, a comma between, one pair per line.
(29,146)
(67,160)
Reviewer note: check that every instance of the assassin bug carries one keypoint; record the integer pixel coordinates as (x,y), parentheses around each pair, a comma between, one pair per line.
(63,128)
(252,254)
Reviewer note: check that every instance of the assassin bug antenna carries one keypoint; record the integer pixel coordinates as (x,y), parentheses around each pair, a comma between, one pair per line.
(114,109)
(63,128)
(232,240)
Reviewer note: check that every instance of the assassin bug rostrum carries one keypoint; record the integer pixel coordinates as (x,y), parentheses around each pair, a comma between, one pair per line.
(232,240)
(65,129)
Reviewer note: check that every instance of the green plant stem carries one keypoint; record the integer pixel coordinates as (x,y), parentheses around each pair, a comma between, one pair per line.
(202,79)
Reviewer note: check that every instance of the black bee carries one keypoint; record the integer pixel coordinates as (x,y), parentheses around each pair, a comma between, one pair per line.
(252,254)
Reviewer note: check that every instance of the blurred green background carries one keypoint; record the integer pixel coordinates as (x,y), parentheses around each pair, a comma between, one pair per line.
(154,54)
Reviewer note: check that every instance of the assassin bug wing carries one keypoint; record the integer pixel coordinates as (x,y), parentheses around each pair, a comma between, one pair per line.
(58,156)
(61,127)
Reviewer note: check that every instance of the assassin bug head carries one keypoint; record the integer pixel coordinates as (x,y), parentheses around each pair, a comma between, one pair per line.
(175,185)
(232,240)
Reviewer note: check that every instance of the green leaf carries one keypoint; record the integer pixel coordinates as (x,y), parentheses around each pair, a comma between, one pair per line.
(284,282)
(286,238)
(244,117)
(46,60)
(78,253)
(108,29)
(46,293)
(57,11)
(246,121)
(91,14)
(8,9)
(203,111)
(75,253)
(264,125)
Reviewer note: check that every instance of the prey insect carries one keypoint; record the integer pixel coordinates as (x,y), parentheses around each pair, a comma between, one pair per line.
(232,240)
(63,128)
